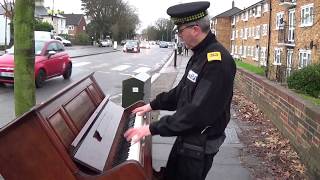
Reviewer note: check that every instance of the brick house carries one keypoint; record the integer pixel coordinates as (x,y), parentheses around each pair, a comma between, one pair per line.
(295,35)
(220,26)
(250,34)
(76,24)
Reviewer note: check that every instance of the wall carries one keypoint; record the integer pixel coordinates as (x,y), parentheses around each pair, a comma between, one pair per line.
(296,119)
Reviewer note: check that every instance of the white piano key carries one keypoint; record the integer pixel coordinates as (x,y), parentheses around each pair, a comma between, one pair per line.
(134,150)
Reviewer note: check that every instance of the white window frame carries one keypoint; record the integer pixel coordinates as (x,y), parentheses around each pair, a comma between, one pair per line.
(292,25)
(279,15)
(264,29)
(241,33)
(304,58)
(306,17)
(257,12)
(277,56)
(258,32)
(71,27)
(263,51)
(236,33)
(265,7)
(289,61)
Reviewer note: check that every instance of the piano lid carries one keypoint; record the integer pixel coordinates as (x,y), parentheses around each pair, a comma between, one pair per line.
(93,151)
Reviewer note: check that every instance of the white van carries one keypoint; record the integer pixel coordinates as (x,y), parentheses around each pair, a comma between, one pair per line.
(42,35)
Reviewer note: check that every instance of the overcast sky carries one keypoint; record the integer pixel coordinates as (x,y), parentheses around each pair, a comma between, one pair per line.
(151,10)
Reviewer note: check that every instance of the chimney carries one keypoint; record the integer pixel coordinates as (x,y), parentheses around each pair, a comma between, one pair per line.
(232,4)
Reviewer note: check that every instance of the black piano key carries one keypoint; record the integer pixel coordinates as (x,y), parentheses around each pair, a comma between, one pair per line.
(124,145)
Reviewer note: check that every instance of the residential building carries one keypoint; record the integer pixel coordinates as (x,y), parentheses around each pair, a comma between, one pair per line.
(250,34)
(4,28)
(220,26)
(75,23)
(294,38)
(56,20)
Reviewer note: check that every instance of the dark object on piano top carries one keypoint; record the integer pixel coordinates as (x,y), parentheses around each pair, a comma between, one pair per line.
(135,89)
(41,143)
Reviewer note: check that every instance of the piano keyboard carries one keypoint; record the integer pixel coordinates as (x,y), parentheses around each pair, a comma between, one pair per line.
(129,150)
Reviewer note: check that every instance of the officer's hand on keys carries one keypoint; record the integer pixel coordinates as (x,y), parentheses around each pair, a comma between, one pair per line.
(142,109)
(135,134)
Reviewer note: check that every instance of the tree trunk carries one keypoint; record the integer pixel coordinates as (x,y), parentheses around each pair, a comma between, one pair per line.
(24,83)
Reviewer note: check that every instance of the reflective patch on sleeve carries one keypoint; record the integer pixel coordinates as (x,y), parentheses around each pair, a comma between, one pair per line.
(214,56)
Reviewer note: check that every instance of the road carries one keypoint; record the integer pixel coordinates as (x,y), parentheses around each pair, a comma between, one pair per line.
(110,67)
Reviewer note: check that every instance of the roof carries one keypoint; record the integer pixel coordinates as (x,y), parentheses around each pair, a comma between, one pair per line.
(73,19)
(229,13)
(40,11)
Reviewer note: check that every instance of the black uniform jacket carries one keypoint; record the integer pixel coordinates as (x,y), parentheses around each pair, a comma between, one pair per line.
(203,96)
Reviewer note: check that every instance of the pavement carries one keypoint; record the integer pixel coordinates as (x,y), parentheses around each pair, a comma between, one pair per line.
(227,164)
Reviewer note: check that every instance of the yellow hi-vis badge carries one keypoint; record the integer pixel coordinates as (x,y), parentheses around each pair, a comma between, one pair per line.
(214,56)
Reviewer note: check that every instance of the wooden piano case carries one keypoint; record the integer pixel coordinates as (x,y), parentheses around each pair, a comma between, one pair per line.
(37,145)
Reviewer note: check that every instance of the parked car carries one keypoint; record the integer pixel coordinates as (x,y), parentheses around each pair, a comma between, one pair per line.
(171,44)
(51,60)
(123,42)
(163,44)
(105,43)
(145,44)
(132,46)
(63,40)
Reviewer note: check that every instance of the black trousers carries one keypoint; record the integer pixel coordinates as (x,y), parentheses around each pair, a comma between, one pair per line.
(181,167)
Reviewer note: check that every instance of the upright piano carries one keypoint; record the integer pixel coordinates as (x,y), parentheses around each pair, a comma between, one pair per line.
(76,134)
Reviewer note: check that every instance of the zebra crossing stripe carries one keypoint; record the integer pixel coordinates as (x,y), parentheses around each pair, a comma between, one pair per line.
(79,64)
(121,68)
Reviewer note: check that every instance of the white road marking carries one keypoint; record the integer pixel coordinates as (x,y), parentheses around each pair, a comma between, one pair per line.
(121,68)
(80,64)
(142,69)
(105,72)
(125,74)
(100,65)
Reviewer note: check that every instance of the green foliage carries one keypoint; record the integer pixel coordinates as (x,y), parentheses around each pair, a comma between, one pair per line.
(306,80)
(254,69)
(43,26)
(82,39)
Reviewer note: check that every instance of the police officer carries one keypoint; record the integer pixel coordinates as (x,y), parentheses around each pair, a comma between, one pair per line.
(201,99)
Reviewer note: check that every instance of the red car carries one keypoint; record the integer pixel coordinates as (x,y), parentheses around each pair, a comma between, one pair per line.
(51,60)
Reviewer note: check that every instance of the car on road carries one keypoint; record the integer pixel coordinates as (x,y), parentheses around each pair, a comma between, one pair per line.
(132,46)
(145,44)
(163,44)
(63,40)
(51,60)
(105,43)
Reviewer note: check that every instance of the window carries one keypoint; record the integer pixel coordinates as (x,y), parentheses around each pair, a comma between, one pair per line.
(307,15)
(257,11)
(265,30)
(236,33)
(292,25)
(304,58)
(245,51)
(289,61)
(52,47)
(265,7)
(277,56)
(83,28)
(241,33)
(233,35)
(263,56)
(240,50)
(245,33)
(233,20)
(235,49)
(257,54)
(257,31)
(71,27)
(279,20)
